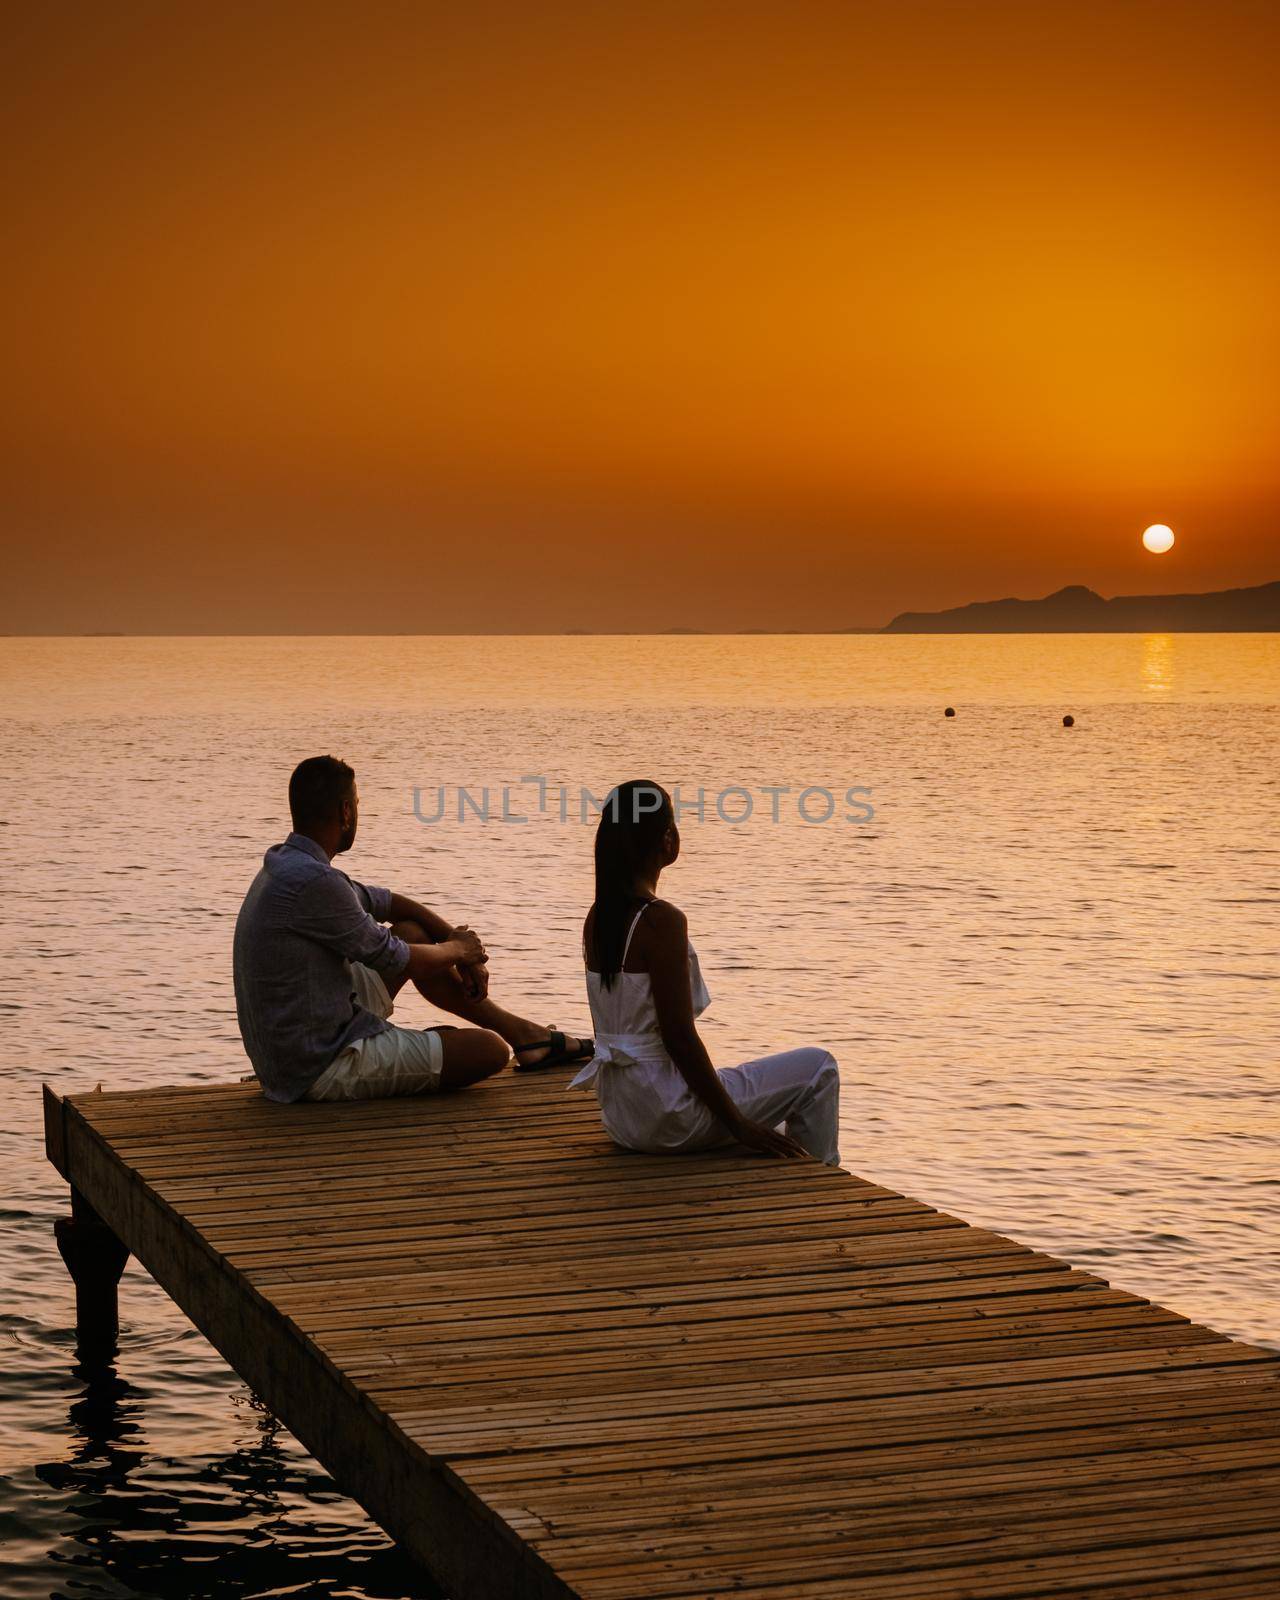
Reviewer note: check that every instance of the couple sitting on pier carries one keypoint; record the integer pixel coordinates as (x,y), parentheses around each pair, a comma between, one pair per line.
(319,959)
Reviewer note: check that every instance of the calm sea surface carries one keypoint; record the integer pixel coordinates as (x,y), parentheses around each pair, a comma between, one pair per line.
(1048,966)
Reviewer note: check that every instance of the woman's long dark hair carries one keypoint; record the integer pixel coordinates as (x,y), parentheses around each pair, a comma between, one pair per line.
(634,818)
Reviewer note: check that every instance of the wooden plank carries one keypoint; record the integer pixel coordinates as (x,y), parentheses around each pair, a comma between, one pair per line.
(602,1266)
(900,1347)
(419,1387)
(596,1519)
(1065,1572)
(590,1174)
(450,1298)
(817,1530)
(973,1296)
(549,1312)
(549,1245)
(670,1388)
(1078,1375)
(584,1512)
(923,1443)
(1032,1408)
(568,1199)
(559,1218)
(1104,1546)
(968,1469)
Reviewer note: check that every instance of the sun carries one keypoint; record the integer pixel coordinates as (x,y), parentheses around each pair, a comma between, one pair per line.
(1158,538)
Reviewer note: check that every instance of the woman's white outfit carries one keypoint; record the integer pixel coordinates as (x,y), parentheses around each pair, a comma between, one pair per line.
(645,1103)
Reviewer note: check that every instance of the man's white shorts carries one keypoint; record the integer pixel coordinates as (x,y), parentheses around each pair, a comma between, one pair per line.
(395,1061)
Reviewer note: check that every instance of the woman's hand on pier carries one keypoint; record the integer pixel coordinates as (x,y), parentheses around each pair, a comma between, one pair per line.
(768,1141)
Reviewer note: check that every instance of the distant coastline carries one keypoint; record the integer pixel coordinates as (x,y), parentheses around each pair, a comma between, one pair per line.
(1076,609)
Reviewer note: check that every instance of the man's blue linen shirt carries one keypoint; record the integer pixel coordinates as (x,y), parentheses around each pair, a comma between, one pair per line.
(301,925)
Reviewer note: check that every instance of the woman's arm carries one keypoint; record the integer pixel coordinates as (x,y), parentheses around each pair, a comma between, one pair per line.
(667,949)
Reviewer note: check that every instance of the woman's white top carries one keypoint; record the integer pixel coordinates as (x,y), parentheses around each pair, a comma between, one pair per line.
(644,1099)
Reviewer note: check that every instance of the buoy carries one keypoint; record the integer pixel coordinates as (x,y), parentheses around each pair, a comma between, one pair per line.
(949,712)
(1068,721)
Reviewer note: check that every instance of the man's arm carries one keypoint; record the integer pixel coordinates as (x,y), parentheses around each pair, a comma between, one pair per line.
(401,909)
(462,947)
(474,973)
(346,917)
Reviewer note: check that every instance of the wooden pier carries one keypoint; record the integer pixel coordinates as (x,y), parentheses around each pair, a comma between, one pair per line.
(549,1368)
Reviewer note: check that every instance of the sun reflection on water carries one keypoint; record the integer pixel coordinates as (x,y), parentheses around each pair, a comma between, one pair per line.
(1159,662)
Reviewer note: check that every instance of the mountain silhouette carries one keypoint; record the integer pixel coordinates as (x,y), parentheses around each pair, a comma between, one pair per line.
(1076,609)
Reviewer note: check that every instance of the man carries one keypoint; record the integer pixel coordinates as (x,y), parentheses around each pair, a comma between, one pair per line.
(318,960)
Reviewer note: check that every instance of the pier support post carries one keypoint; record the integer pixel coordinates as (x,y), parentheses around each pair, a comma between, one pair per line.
(95,1258)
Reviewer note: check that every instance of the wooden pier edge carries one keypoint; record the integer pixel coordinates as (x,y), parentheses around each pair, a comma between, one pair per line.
(454,1536)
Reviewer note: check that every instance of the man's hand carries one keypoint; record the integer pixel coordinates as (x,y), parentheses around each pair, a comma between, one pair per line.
(475,981)
(467,948)
(461,951)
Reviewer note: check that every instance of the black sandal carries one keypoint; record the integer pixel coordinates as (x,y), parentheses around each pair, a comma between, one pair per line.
(558,1052)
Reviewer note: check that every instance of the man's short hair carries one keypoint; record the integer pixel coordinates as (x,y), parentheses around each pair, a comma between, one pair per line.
(317,789)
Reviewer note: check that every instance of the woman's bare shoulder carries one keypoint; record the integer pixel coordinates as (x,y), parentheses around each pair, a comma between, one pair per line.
(663,917)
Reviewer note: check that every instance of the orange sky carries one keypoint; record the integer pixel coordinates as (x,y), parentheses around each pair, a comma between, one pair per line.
(416,318)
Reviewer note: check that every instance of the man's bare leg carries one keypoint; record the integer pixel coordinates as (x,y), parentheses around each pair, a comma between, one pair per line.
(445,990)
(470,1054)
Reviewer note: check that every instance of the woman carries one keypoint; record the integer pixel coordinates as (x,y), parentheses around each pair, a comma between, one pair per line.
(654,1080)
